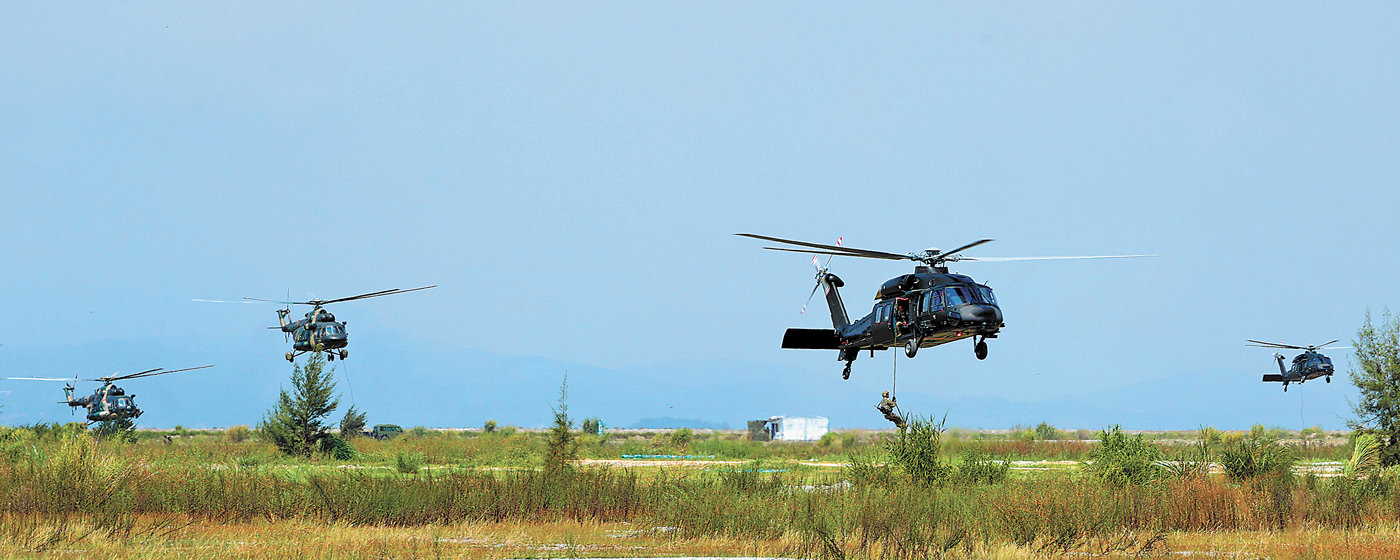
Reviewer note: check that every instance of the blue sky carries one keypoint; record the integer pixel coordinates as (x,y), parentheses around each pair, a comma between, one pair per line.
(571,174)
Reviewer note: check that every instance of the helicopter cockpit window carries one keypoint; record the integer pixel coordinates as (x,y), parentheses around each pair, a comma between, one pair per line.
(953,297)
(986,294)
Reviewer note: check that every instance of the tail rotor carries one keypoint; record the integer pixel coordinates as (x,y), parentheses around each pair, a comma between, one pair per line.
(821,276)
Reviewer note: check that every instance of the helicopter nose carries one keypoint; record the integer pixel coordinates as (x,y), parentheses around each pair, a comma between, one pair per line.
(981,313)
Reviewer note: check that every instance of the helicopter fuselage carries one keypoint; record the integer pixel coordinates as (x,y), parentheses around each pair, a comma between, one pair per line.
(109,402)
(319,331)
(1305,367)
(920,310)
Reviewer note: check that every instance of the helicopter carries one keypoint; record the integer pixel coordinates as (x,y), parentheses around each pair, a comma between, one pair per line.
(930,307)
(108,402)
(1311,364)
(319,331)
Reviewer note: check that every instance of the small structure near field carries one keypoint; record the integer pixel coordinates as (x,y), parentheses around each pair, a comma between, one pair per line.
(788,428)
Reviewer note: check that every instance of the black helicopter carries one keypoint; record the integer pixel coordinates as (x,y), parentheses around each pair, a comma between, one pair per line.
(108,402)
(319,331)
(927,308)
(1309,365)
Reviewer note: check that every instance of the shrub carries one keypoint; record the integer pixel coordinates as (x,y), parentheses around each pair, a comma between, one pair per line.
(592,426)
(420,432)
(238,434)
(866,466)
(337,448)
(122,429)
(978,468)
(1365,455)
(489,427)
(1257,455)
(916,452)
(680,439)
(1121,460)
(1046,432)
(827,439)
(408,463)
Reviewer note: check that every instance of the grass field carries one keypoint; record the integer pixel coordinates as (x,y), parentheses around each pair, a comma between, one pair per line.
(472,495)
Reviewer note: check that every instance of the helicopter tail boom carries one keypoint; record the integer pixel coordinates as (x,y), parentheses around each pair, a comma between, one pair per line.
(1269,377)
(832,284)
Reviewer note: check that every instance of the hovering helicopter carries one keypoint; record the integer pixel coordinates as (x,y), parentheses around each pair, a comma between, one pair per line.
(928,308)
(1306,366)
(108,402)
(319,331)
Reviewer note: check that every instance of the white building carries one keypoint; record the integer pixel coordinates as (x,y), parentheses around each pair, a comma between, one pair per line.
(793,428)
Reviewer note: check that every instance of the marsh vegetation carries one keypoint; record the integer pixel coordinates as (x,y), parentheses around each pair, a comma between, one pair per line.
(920,494)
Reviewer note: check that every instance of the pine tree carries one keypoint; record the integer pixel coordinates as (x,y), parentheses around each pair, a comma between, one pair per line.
(1377,354)
(297,424)
(352,423)
(562,445)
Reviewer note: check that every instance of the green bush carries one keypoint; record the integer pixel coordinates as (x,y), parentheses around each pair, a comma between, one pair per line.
(592,426)
(1046,432)
(489,427)
(238,434)
(408,463)
(916,452)
(680,439)
(1257,455)
(978,468)
(337,448)
(1121,460)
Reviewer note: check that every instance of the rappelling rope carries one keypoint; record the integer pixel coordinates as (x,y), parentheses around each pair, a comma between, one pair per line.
(894,384)
(347,382)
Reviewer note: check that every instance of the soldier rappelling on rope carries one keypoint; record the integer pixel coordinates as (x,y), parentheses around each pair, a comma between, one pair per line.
(887,407)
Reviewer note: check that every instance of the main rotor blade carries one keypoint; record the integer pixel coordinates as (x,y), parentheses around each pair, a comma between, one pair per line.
(1325,344)
(840,250)
(834,253)
(154,372)
(965,247)
(221,301)
(1262,344)
(48,379)
(1011,259)
(129,375)
(277,301)
(376,294)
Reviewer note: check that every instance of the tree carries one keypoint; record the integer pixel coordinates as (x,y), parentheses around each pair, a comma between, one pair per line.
(1377,375)
(297,424)
(562,445)
(352,424)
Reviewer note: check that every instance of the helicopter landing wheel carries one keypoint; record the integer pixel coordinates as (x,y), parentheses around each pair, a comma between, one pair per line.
(981,349)
(289,356)
(330,357)
(1329,379)
(846,373)
(344,354)
(911,347)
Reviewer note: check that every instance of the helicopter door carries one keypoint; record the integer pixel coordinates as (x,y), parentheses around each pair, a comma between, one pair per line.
(883,328)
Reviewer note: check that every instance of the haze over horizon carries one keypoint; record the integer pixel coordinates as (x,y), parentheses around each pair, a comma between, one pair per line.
(571,177)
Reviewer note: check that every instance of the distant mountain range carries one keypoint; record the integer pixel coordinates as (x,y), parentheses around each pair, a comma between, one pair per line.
(413,382)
